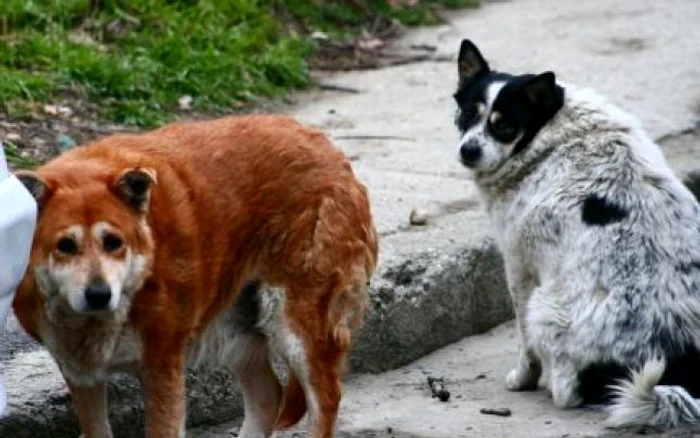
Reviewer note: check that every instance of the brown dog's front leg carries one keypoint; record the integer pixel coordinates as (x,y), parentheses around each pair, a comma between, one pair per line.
(164,386)
(90,404)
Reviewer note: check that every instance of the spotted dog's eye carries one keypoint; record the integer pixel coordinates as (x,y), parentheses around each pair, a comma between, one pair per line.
(67,246)
(468,115)
(471,111)
(476,109)
(503,130)
(112,243)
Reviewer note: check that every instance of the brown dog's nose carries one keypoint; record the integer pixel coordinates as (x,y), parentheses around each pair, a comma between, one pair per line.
(98,295)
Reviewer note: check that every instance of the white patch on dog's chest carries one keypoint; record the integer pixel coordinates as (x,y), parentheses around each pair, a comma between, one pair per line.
(93,357)
(127,352)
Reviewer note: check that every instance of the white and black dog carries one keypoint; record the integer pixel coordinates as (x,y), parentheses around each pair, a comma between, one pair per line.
(601,243)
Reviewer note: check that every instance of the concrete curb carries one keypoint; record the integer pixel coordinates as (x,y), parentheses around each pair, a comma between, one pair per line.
(420,302)
(41,407)
(430,300)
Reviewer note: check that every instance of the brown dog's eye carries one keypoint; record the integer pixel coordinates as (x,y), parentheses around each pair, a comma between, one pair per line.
(112,243)
(67,246)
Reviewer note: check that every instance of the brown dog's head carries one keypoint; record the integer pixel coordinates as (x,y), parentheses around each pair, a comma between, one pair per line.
(92,248)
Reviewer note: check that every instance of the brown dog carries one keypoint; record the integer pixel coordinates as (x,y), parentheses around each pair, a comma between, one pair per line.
(203,241)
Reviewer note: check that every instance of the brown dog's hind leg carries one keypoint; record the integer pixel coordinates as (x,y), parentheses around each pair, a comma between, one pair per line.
(262,392)
(324,388)
(317,360)
(90,404)
(317,366)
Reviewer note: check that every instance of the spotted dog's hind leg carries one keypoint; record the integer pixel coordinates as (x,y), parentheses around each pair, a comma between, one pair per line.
(528,368)
(564,383)
(526,374)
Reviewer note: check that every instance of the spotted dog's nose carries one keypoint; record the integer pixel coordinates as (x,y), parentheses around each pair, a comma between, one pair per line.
(470,152)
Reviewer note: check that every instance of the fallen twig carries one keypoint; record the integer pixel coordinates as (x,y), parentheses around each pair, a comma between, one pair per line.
(500,412)
(331,87)
(402,60)
(424,47)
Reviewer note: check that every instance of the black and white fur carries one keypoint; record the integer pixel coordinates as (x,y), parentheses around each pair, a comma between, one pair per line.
(601,243)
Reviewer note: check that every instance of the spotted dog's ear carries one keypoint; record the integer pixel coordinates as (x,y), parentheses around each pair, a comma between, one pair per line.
(134,186)
(543,92)
(37,186)
(470,62)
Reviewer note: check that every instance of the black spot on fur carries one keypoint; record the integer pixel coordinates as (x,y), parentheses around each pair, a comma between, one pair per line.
(595,381)
(247,306)
(597,210)
(687,268)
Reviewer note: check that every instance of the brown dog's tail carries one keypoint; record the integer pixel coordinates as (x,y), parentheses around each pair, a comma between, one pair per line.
(293,405)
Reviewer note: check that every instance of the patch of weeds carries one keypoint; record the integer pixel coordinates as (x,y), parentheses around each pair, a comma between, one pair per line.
(15,159)
(134,59)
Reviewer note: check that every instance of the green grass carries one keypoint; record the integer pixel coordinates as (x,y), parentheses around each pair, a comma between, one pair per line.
(136,58)
(16,160)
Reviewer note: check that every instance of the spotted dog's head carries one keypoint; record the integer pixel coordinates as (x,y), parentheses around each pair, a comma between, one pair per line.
(499,114)
(92,248)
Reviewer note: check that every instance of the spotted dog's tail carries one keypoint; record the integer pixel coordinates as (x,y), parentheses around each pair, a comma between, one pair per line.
(641,401)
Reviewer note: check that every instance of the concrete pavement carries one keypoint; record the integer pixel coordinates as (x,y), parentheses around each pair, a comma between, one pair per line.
(443,281)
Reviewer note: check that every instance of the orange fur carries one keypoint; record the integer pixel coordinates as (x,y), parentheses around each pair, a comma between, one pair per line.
(232,199)
(294,405)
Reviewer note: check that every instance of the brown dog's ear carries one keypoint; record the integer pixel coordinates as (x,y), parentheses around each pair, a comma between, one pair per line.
(470,62)
(36,185)
(134,187)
